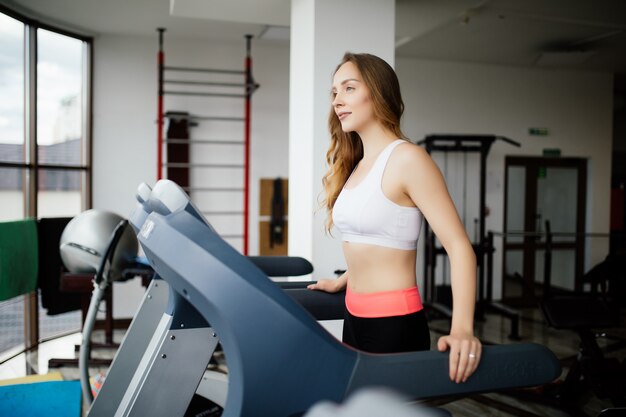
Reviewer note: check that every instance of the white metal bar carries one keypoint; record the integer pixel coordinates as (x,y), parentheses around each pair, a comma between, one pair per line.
(191,93)
(192,165)
(194,117)
(209,70)
(211,83)
(203,141)
(213,189)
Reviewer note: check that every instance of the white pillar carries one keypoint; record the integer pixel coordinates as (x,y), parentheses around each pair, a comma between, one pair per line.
(321,32)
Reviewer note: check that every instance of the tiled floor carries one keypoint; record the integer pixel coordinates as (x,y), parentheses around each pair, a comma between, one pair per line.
(493,330)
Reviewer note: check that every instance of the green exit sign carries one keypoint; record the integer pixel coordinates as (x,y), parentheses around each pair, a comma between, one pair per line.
(552,152)
(538,131)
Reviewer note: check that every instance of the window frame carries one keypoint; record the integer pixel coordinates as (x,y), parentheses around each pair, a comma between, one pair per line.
(31,167)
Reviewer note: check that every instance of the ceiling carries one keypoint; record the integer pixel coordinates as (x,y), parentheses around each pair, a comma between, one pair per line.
(577,34)
(574,34)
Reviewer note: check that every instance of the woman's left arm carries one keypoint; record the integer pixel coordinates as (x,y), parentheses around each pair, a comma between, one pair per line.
(426,187)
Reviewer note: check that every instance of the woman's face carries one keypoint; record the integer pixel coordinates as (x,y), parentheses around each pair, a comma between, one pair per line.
(351,99)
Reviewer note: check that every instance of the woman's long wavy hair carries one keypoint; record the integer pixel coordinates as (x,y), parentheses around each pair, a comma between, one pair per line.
(346,149)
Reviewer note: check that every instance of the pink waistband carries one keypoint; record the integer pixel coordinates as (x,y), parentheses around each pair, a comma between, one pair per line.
(384,303)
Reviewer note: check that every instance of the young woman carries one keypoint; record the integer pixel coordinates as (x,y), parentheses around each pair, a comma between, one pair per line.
(378,187)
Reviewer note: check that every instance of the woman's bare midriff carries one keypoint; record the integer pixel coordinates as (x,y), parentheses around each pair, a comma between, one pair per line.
(375,268)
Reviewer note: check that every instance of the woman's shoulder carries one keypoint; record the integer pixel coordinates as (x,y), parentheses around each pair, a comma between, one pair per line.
(412,161)
(410,154)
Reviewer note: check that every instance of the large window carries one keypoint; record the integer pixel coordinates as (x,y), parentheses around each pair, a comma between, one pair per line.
(44,123)
(11,117)
(60,129)
(45,167)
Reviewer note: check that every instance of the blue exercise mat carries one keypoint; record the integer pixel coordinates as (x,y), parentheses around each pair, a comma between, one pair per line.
(41,399)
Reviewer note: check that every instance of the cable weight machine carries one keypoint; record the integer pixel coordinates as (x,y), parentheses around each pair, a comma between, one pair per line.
(483,247)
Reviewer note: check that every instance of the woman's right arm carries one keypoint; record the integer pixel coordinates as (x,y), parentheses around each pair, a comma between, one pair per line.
(331,285)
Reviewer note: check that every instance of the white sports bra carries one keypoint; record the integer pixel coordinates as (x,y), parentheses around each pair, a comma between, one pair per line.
(363,214)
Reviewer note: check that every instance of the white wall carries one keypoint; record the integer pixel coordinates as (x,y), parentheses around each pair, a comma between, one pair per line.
(125,108)
(576,107)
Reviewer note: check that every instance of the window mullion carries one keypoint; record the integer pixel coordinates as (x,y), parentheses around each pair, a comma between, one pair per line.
(30,120)
(87,100)
(31,312)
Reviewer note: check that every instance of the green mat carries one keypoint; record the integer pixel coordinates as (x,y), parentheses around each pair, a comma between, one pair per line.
(41,399)
(18,258)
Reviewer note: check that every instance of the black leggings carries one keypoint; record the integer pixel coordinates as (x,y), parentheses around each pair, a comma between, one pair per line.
(387,334)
